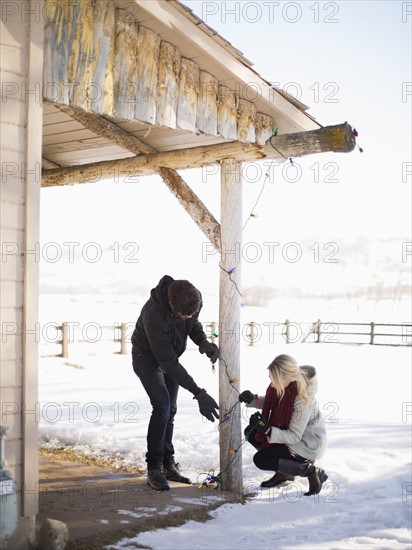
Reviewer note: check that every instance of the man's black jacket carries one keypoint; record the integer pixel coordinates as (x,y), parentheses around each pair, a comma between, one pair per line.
(161,336)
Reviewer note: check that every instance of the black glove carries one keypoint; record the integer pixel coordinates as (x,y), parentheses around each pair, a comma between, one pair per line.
(207,405)
(259,422)
(246,397)
(211,350)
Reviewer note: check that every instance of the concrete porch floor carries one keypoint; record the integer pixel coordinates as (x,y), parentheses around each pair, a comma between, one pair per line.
(100,506)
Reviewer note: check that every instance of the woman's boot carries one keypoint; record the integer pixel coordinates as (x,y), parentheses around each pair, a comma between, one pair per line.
(278,479)
(316,476)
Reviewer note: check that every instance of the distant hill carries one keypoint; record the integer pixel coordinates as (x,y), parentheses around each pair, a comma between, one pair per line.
(374,269)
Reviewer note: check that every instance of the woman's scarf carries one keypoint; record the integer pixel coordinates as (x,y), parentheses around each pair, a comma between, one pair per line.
(277,412)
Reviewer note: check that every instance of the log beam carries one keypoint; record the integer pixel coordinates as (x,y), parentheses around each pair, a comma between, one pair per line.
(338,139)
(47,164)
(197,210)
(104,128)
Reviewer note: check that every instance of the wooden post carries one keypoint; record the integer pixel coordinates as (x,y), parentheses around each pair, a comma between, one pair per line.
(318,331)
(123,336)
(372,333)
(31,112)
(65,340)
(229,331)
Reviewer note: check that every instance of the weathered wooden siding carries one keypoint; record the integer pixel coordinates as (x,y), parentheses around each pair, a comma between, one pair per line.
(264,128)
(125,57)
(111,64)
(246,121)
(206,117)
(227,113)
(187,96)
(20,129)
(168,85)
(148,47)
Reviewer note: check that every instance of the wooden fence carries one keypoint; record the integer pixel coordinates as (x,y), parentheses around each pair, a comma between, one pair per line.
(330,332)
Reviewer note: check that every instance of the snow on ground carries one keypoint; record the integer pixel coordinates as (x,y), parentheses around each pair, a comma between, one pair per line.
(93,402)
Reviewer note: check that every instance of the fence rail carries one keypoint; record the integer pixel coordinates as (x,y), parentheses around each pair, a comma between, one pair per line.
(328,332)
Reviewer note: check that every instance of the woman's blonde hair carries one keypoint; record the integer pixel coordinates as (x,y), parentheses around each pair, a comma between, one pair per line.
(284,368)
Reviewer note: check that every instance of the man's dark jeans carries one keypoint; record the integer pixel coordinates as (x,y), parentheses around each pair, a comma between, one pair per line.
(162,391)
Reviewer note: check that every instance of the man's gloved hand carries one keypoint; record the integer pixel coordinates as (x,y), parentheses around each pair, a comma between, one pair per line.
(259,422)
(246,397)
(211,350)
(207,405)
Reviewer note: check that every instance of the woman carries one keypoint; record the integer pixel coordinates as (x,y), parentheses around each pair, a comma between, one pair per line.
(290,433)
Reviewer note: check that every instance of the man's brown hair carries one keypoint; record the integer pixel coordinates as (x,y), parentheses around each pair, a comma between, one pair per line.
(184,298)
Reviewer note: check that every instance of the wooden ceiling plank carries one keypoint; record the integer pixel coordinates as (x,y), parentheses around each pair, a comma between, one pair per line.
(81,146)
(90,154)
(53,118)
(69,126)
(76,135)
(72,159)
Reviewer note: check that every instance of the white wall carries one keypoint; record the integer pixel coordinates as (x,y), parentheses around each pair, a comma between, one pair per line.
(21,42)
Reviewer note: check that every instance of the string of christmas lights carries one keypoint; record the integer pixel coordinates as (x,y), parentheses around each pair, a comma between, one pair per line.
(211,479)
(251,215)
(232,382)
(230,272)
(356,134)
(275,133)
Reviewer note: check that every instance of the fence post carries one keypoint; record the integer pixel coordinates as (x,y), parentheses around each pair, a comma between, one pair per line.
(213,333)
(318,331)
(65,340)
(287,327)
(372,333)
(123,336)
(252,333)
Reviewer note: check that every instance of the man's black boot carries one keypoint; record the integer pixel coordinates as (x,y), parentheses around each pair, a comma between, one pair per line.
(157,480)
(278,479)
(172,473)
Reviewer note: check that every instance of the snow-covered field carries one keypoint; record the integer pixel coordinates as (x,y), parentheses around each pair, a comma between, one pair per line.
(93,402)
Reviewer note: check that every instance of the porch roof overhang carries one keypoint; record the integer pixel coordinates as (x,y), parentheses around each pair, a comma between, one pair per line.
(197,87)
(191,106)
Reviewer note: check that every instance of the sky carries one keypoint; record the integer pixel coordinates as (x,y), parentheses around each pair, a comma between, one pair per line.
(347,61)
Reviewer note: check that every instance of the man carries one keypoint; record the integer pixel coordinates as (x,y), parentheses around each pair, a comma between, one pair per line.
(159,339)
